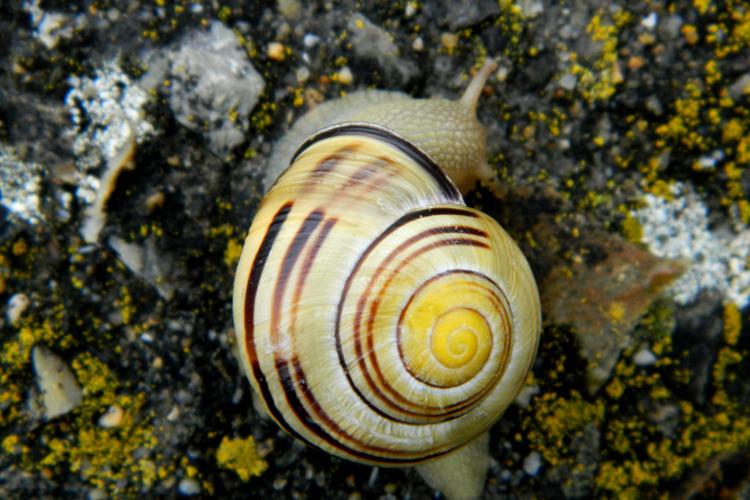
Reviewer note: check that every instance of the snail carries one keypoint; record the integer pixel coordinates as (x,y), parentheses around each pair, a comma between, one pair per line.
(378,317)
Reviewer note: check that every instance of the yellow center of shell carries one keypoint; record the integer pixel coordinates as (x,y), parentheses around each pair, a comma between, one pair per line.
(445,333)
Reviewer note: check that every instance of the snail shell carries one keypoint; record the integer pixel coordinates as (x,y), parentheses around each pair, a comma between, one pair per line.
(378,317)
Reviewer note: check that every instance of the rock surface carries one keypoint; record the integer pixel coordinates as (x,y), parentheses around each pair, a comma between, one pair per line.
(133,140)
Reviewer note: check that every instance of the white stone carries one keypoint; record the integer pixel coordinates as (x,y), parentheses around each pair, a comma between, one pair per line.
(131,254)
(20,186)
(650,21)
(645,357)
(568,81)
(310,40)
(532,8)
(345,76)
(212,79)
(532,463)
(59,387)
(108,122)
(112,417)
(523,399)
(302,74)
(717,257)
(189,487)
(17,305)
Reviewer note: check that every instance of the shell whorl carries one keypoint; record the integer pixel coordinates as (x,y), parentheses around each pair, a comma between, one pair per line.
(378,317)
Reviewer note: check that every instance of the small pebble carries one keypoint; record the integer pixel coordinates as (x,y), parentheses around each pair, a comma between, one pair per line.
(276,51)
(174,414)
(290,9)
(650,21)
(309,472)
(154,201)
(60,390)
(654,105)
(188,487)
(707,163)
(523,399)
(373,477)
(96,494)
(418,44)
(302,74)
(531,8)
(568,81)
(636,62)
(17,305)
(532,463)
(644,357)
(647,39)
(112,418)
(345,76)
(449,41)
(131,254)
(740,87)
(411,9)
(279,483)
(310,40)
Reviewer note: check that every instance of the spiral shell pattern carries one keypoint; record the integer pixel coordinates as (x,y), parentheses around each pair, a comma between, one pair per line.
(378,317)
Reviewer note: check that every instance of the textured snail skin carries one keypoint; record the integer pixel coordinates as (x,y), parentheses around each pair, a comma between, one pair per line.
(377,316)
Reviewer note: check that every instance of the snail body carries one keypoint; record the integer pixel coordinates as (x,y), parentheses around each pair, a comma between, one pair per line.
(378,317)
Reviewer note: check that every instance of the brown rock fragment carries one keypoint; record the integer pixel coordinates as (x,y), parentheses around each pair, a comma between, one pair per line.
(604,298)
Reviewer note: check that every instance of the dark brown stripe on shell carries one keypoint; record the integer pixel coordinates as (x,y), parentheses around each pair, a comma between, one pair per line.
(252,290)
(377,170)
(329,163)
(306,266)
(447,188)
(293,252)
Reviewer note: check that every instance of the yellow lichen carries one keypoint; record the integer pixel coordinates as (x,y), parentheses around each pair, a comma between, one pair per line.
(10,443)
(616,311)
(636,457)
(632,229)
(95,376)
(701,5)
(600,80)
(559,418)
(732,131)
(683,126)
(103,456)
(241,456)
(690,34)
(232,253)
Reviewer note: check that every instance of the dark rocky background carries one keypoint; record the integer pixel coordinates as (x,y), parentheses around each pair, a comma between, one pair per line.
(133,139)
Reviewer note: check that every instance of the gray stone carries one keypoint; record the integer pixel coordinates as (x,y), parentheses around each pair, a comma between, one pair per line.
(214,84)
